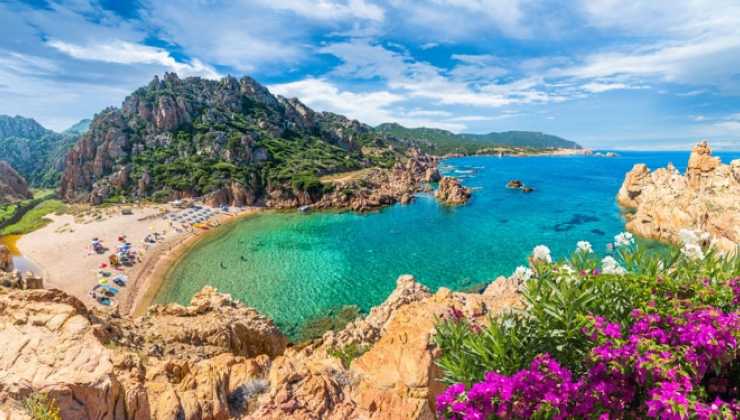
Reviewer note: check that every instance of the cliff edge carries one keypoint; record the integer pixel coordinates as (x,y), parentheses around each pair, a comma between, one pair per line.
(218,359)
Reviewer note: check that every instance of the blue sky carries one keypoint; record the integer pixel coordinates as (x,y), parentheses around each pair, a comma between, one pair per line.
(606,73)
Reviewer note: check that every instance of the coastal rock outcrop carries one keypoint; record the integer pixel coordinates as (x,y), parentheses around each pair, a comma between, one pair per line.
(231,142)
(203,361)
(12,186)
(514,184)
(705,198)
(452,192)
(371,189)
(218,359)
(6,259)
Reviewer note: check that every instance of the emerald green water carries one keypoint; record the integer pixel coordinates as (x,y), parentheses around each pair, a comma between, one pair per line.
(295,267)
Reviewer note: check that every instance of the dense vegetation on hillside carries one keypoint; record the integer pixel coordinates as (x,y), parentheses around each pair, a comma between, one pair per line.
(35,152)
(197,137)
(433,140)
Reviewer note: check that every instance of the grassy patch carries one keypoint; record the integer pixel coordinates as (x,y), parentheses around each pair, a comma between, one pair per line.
(34,219)
(348,353)
(41,407)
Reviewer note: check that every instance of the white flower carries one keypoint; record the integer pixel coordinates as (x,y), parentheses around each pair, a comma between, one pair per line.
(624,239)
(584,247)
(567,269)
(542,253)
(688,236)
(692,251)
(522,274)
(610,266)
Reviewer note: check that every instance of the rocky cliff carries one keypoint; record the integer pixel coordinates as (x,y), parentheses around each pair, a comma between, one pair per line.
(230,141)
(452,192)
(706,198)
(12,185)
(218,359)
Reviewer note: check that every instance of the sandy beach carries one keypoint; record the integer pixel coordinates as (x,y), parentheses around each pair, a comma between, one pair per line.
(62,250)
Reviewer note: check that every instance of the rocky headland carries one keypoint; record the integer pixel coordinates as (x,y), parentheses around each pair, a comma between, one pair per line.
(375,188)
(452,192)
(13,186)
(232,142)
(705,198)
(218,359)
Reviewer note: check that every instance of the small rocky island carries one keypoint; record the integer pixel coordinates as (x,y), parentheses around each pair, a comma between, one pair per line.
(451,192)
(516,184)
(705,198)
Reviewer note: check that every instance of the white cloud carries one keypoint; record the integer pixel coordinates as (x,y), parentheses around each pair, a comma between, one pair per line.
(374,107)
(442,17)
(329,10)
(597,87)
(244,36)
(121,52)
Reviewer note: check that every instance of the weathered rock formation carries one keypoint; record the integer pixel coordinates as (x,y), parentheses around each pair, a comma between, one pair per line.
(6,259)
(217,359)
(705,198)
(12,186)
(451,192)
(230,141)
(383,187)
(514,184)
(196,362)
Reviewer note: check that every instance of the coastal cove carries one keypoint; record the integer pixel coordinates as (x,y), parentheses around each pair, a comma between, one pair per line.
(295,267)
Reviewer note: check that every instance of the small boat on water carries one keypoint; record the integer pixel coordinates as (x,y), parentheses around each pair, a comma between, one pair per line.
(304,209)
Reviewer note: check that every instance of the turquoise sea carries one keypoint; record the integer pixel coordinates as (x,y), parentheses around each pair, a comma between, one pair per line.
(295,267)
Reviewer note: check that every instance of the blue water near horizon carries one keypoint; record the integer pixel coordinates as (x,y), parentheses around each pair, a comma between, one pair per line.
(294,267)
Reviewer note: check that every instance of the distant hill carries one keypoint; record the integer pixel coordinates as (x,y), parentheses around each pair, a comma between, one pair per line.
(34,151)
(79,128)
(439,141)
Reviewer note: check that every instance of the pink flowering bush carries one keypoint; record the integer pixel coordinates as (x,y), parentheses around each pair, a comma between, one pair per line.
(668,349)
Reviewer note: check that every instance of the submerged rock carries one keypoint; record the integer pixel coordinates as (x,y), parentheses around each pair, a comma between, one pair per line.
(705,199)
(451,192)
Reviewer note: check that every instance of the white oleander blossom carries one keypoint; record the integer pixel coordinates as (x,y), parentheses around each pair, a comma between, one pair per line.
(689,236)
(522,273)
(692,251)
(584,247)
(624,239)
(542,253)
(567,269)
(610,266)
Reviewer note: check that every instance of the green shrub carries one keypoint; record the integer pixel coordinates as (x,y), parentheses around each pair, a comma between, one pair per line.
(559,299)
(41,407)
(348,353)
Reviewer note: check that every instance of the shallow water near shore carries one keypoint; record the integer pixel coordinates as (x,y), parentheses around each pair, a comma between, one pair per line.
(295,267)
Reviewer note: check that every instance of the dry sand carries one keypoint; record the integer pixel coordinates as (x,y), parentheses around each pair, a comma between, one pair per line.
(62,251)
